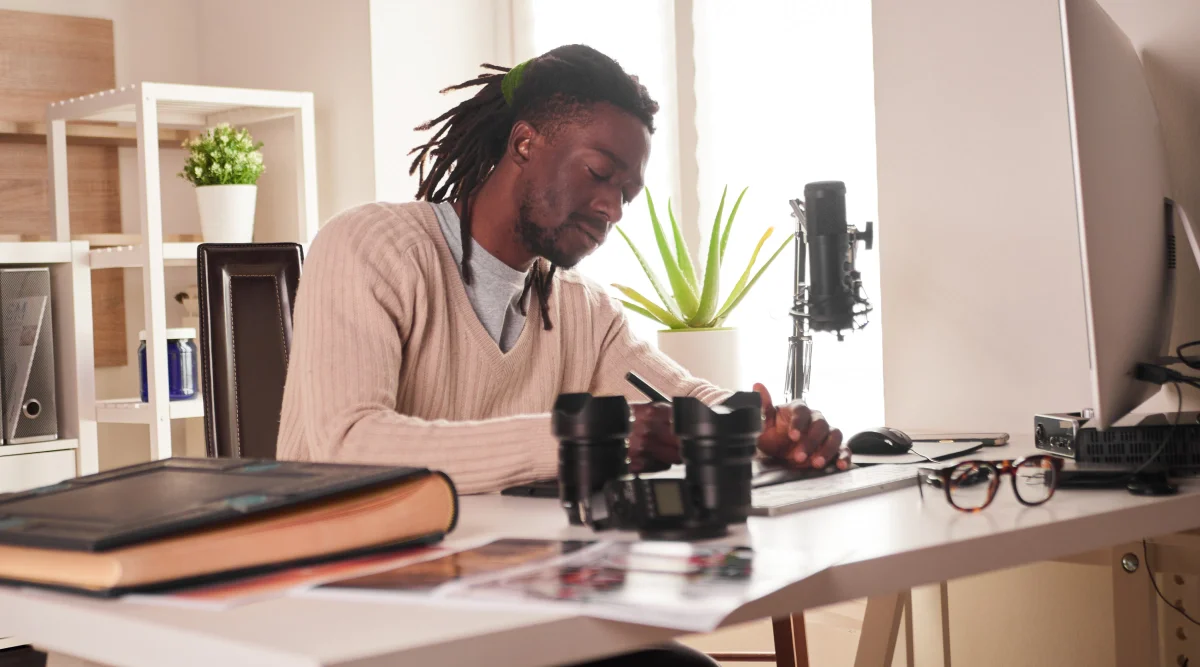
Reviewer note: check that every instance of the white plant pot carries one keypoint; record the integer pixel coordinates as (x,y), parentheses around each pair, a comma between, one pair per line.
(227,212)
(709,354)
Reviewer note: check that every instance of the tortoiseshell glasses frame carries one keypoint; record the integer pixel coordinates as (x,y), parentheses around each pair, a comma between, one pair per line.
(962,482)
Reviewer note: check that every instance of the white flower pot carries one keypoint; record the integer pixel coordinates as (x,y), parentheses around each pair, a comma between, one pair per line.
(227,212)
(709,354)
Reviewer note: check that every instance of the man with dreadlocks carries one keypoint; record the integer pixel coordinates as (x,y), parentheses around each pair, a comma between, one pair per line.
(411,344)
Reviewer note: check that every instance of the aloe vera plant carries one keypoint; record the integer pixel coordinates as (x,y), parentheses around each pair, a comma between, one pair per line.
(693,301)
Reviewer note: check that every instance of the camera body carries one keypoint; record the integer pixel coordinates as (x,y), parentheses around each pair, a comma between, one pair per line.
(718,444)
(658,508)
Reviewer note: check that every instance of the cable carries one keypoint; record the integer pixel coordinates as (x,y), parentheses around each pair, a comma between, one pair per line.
(1154,582)
(1179,353)
(1157,374)
(1175,379)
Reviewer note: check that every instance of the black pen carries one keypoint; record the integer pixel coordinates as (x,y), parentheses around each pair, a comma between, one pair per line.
(651,393)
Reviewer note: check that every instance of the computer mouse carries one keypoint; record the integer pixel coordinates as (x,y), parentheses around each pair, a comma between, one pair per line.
(882,440)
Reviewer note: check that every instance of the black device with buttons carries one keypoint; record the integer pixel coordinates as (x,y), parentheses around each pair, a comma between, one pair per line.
(659,508)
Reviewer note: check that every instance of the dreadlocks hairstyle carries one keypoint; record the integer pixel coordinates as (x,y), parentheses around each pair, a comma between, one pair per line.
(547,92)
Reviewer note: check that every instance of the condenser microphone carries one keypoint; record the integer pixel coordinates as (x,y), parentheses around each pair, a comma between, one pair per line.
(835,286)
(829,295)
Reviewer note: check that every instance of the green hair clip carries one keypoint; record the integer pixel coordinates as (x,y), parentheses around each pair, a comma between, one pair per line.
(512,79)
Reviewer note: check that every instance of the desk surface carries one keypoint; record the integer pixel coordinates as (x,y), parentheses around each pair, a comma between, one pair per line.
(895,539)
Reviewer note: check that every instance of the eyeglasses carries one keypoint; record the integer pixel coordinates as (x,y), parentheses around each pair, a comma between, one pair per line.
(970,486)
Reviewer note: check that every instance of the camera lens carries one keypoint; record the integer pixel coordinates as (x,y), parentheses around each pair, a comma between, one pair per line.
(592,432)
(718,450)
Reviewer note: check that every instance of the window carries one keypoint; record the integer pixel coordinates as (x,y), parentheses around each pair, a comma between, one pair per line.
(784,97)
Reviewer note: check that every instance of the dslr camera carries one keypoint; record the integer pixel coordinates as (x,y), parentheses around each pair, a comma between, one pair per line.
(718,446)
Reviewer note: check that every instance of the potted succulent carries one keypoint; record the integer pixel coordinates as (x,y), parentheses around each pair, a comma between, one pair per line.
(693,313)
(224,164)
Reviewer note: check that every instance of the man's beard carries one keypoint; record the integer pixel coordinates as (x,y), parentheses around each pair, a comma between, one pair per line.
(540,241)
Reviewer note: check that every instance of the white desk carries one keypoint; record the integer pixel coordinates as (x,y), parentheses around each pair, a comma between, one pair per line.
(898,542)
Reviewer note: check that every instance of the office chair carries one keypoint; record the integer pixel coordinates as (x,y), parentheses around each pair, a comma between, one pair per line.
(246,295)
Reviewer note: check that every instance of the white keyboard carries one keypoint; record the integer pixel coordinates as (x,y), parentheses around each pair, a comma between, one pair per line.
(808,493)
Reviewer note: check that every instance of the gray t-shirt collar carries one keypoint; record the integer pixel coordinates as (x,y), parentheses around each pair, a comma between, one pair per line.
(495,292)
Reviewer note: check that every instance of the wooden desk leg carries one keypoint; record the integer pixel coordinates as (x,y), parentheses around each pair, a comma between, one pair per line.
(932,640)
(1135,615)
(791,642)
(880,629)
(909,651)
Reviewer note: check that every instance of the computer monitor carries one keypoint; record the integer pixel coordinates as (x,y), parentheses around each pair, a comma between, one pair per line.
(1122,187)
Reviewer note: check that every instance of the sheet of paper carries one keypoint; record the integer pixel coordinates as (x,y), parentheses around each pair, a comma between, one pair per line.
(229,594)
(669,584)
(456,567)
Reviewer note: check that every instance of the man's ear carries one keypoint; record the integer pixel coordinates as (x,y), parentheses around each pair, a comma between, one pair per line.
(521,142)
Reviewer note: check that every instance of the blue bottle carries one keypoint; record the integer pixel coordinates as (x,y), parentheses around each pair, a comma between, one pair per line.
(181,364)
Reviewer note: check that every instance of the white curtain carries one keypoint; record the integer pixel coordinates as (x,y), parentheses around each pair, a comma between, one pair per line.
(784,92)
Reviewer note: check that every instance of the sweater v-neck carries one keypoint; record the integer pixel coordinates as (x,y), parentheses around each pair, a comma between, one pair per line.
(462,303)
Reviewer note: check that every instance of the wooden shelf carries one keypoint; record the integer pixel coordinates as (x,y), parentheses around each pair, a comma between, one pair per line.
(134,411)
(38,447)
(93,134)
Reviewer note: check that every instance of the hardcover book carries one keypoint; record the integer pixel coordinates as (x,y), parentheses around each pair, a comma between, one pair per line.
(181,521)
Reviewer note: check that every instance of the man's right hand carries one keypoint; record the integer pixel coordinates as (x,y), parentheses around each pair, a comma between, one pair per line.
(653,446)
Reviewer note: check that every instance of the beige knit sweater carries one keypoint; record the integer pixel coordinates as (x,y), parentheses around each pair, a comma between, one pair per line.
(390,363)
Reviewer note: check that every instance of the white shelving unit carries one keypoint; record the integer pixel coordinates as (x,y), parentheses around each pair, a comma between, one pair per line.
(75,452)
(151,106)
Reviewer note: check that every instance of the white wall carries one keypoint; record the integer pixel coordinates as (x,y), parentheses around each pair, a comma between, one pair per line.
(411,62)
(151,41)
(313,45)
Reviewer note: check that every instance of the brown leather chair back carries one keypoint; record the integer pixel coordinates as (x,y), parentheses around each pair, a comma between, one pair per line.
(246,292)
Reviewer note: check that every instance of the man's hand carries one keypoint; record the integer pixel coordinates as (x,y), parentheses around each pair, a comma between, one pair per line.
(798,436)
(653,445)
(792,433)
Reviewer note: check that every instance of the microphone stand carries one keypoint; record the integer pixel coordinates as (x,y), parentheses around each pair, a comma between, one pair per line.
(800,342)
